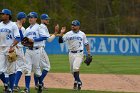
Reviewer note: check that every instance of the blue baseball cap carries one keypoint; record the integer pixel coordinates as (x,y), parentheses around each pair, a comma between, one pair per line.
(21,15)
(32,15)
(6,11)
(75,23)
(44,17)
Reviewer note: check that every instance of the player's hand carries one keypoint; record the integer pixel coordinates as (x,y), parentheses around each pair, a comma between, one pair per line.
(31,40)
(11,49)
(63,30)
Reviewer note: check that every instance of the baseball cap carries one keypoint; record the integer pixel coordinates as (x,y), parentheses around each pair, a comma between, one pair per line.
(75,23)
(21,15)
(32,15)
(6,11)
(44,17)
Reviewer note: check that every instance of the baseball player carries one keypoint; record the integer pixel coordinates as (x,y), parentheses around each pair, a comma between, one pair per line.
(33,55)
(9,38)
(20,64)
(76,40)
(45,63)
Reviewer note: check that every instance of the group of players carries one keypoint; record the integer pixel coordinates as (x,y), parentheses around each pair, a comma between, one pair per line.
(35,59)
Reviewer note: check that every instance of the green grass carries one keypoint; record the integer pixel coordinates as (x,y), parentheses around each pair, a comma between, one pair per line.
(54,90)
(100,65)
(72,91)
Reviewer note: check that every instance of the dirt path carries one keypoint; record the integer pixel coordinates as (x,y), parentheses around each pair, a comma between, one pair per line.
(102,82)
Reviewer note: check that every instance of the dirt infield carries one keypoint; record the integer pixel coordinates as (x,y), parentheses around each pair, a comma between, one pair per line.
(102,82)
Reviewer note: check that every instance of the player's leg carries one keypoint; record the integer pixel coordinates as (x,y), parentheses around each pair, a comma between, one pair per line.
(19,65)
(3,68)
(76,68)
(71,61)
(45,65)
(6,81)
(36,68)
(28,74)
(17,78)
(11,72)
(36,81)
(2,77)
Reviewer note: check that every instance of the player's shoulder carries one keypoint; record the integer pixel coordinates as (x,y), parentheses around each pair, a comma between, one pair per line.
(13,24)
(42,26)
(69,32)
(36,25)
(23,28)
(81,32)
(1,22)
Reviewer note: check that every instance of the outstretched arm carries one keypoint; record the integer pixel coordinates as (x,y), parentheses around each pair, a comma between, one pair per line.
(50,39)
(60,40)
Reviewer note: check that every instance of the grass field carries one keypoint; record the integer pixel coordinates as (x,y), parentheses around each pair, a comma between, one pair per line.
(100,65)
(68,91)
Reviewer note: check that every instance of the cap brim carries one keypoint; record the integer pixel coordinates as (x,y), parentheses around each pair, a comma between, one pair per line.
(1,13)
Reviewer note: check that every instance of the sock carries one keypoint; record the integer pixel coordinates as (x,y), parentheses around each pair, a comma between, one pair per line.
(7,80)
(2,77)
(76,75)
(40,80)
(35,80)
(11,81)
(44,73)
(17,77)
(27,82)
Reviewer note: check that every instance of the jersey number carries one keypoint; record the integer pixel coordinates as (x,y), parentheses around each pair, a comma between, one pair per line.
(8,37)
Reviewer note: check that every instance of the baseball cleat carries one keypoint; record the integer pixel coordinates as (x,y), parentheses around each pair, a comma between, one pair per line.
(75,85)
(5,87)
(79,85)
(45,88)
(39,88)
(36,87)
(25,91)
(9,91)
(16,89)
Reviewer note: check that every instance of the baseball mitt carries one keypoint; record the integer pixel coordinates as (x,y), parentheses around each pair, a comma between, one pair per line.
(88,60)
(27,42)
(12,56)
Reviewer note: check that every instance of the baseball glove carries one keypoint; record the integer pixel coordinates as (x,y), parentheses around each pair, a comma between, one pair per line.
(12,56)
(88,60)
(27,42)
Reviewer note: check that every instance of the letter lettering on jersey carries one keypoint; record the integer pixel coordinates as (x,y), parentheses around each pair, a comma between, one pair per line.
(134,43)
(5,30)
(31,33)
(102,46)
(75,38)
(123,45)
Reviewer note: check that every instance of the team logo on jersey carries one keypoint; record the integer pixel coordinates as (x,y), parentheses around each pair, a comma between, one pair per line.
(5,30)
(31,33)
(75,38)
